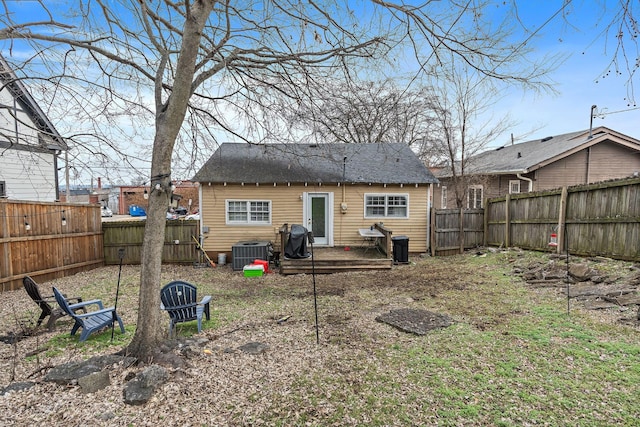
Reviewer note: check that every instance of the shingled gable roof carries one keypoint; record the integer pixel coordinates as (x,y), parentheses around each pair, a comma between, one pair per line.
(528,156)
(9,80)
(315,163)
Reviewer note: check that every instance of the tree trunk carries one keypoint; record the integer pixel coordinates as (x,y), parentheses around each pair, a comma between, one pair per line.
(150,331)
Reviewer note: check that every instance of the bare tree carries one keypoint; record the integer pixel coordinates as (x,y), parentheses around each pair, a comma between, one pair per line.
(348,111)
(466,126)
(209,63)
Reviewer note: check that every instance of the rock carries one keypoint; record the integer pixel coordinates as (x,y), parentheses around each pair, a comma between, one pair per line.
(581,272)
(153,376)
(141,388)
(253,348)
(106,416)
(24,385)
(94,382)
(628,299)
(69,373)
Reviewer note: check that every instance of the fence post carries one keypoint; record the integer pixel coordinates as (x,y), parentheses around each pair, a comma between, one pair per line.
(562,221)
(507,221)
(461,230)
(433,232)
(485,222)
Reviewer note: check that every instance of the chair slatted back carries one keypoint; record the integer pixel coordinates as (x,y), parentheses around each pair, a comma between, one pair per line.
(62,302)
(180,300)
(34,292)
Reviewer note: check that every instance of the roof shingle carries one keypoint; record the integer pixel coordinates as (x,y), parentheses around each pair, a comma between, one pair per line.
(321,163)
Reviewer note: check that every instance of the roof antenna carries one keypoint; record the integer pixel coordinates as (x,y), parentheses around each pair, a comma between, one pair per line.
(593,108)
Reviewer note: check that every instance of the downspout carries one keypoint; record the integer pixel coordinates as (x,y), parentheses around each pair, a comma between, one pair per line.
(343,202)
(529,180)
(55,170)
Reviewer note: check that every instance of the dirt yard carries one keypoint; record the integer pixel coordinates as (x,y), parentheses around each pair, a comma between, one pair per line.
(290,379)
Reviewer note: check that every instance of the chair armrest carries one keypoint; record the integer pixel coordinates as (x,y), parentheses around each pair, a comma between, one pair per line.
(87,303)
(177,307)
(205,300)
(52,298)
(94,313)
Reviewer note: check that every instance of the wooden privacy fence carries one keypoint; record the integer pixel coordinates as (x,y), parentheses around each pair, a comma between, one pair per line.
(598,219)
(448,224)
(179,246)
(47,240)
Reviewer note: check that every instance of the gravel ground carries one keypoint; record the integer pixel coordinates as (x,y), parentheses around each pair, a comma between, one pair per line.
(222,385)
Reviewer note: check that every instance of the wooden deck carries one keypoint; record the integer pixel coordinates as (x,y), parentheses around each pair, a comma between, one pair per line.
(334,260)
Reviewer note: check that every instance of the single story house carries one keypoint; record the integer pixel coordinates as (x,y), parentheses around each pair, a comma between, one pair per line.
(574,158)
(249,191)
(29,144)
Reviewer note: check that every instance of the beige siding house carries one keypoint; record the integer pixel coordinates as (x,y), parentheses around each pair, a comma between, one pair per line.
(248,192)
(553,162)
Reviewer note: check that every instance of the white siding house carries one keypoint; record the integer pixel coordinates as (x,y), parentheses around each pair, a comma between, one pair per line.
(29,144)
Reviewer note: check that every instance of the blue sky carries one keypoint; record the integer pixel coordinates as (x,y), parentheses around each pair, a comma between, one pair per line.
(578,80)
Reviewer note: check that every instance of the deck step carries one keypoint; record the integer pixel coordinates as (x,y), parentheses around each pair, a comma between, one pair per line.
(300,266)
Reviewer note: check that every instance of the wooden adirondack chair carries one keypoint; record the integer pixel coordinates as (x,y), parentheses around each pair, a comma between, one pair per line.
(91,321)
(44,303)
(180,300)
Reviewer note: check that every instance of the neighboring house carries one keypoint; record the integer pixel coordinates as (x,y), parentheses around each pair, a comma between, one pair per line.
(89,194)
(248,192)
(553,162)
(184,195)
(29,144)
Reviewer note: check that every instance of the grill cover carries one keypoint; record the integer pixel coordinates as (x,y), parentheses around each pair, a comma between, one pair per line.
(297,244)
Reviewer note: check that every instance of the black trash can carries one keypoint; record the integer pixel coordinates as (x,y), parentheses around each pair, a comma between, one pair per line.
(400,249)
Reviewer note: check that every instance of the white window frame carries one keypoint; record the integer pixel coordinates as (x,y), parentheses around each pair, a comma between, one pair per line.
(443,198)
(514,186)
(473,204)
(386,206)
(3,189)
(248,221)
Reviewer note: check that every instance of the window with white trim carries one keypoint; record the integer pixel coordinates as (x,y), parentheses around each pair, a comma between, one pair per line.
(474,197)
(443,192)
(249,212)
(3,189)
(386,206)
(514,186)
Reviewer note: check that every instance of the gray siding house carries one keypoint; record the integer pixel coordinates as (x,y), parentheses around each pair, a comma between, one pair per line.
(574,158)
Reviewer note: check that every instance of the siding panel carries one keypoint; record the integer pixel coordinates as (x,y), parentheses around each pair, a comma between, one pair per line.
(287,207)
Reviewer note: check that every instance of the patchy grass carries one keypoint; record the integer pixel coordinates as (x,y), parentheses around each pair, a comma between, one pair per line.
(513,357)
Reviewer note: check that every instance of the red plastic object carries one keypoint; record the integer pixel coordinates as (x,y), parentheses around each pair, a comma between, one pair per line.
(263,263)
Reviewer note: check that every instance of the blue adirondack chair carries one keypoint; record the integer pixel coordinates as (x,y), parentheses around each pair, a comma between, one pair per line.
(180,300)
(91,321)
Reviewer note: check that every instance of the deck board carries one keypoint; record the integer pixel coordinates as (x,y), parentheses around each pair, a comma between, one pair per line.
(334,260)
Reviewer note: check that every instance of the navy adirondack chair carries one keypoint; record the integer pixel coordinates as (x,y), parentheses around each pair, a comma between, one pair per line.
(180,300)
(91,321)
(44,302)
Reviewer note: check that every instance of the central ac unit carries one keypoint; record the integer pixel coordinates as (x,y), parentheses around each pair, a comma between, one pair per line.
(244,253)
